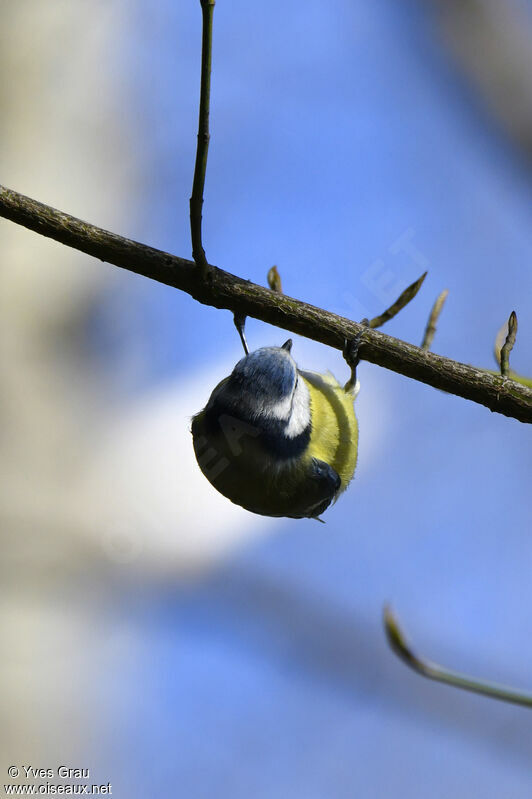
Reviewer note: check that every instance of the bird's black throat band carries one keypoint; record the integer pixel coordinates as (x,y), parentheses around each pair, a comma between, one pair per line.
(270,433)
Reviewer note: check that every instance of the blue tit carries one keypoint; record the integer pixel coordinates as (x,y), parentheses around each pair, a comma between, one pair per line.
(278,440)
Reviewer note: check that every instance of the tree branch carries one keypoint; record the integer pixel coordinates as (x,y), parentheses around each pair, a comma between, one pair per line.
(243,297)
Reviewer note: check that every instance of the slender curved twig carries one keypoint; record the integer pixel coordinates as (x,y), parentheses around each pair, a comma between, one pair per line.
(430,330)
(433,671)
(407,295)
(500,340)
(508,345)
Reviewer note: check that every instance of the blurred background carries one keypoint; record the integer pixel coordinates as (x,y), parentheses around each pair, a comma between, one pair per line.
(171,642)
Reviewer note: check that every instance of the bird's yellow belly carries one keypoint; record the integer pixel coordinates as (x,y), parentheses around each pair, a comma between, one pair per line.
(334,436)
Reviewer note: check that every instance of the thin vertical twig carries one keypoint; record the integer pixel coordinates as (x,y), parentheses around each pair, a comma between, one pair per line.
(196,199)
(506,338)
(508,344)
(430,330)
(274,280)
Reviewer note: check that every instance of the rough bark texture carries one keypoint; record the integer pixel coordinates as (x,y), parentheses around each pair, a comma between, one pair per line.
(224,290)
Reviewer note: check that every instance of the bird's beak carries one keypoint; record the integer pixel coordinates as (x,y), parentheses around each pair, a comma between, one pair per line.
(287,345)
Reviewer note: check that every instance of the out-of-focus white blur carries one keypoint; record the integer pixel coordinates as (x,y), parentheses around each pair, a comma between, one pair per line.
(58,137)
(85,484)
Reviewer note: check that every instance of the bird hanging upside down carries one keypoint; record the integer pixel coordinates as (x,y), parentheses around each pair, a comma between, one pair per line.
(277,440)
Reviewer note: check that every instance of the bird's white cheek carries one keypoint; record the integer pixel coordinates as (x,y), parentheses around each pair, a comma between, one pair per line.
(300,415)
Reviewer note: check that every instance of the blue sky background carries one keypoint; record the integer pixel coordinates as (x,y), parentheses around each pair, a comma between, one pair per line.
(337,129)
